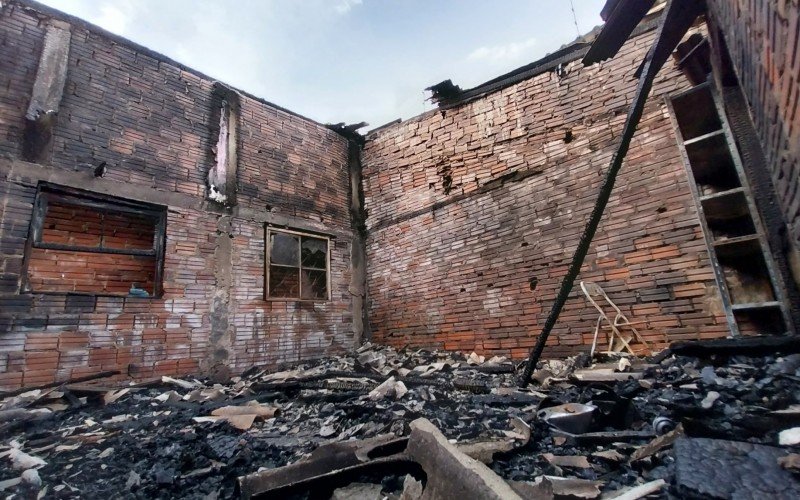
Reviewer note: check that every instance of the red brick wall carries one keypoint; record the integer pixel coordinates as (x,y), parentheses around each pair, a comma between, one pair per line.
(52,270)
(475,211)
(155,123)
(763,39)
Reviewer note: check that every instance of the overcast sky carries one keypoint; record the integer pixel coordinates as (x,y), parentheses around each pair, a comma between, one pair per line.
(345,60)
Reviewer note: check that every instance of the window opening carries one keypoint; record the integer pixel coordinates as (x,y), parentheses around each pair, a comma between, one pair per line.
(92,244)
(297,266)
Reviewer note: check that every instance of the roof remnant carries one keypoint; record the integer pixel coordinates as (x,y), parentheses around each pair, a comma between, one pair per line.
(445,91)
(622,17)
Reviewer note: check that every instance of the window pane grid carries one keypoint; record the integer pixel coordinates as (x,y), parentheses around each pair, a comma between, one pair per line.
(302,276)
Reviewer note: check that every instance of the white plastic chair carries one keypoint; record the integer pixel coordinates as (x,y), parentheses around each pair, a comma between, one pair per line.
(616,340)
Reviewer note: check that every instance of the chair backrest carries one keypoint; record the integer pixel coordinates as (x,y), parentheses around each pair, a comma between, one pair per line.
(593,291)
(591,288)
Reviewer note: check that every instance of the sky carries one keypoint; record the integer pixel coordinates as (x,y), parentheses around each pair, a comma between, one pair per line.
(345,60)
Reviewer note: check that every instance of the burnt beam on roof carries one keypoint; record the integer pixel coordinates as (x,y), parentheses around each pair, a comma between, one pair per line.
(622,17)
(445,92)
(349,132)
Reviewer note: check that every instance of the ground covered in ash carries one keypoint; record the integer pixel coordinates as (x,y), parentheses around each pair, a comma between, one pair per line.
(192,438)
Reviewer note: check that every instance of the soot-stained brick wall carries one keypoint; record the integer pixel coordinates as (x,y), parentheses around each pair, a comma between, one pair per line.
(475,211)
(763,40)
(156,123)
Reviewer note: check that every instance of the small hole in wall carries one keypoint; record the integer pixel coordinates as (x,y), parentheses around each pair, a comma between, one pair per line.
(463,289)
(661,209)
(568,136)
(447,183)
(480,273)
(524,244)
(533,282)
(490,285)
(431,185)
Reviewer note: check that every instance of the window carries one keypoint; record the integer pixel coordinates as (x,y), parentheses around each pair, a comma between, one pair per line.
(88,243)
(297,266)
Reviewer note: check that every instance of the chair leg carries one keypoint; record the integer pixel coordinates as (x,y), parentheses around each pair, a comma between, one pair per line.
(594,341)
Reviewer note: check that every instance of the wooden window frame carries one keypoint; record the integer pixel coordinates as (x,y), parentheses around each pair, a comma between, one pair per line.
(102,203)
(301,234)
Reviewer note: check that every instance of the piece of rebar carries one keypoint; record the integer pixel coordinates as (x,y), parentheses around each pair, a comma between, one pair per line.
(676,20)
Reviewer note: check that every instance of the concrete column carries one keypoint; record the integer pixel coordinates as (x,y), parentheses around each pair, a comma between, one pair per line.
(222,176)
(48,88)
(358,253)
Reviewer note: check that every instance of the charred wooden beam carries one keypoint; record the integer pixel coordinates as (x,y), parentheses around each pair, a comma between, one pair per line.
(739,346)
(621,18)
(328,467)
(96,376)
(444,92)
(675,22)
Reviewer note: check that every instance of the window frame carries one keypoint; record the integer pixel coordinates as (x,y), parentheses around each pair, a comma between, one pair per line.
(267,264)
(45,192)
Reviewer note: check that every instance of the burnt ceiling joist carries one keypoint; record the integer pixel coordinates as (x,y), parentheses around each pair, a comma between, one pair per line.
(621,17)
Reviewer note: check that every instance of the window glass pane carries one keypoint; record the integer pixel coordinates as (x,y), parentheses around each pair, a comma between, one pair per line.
(284,282)
(314,253)
(315,284)
(284,249)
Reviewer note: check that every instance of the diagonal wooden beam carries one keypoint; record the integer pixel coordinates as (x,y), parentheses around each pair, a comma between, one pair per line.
(678,17)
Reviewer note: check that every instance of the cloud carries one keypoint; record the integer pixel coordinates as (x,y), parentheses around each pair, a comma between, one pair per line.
(344,6)
(510,51)
(114,18)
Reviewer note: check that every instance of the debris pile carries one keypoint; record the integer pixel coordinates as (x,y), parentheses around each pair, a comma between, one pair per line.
(696,421)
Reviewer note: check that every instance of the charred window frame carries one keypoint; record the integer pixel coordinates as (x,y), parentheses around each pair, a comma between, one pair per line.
(297,266)
(54,195)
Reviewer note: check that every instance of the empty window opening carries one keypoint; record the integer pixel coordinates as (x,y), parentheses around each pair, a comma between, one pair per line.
(297,266)
(91,244)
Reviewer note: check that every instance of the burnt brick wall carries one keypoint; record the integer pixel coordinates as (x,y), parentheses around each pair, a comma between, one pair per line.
(474,213)
(56,270)
(763,40)
(156,123)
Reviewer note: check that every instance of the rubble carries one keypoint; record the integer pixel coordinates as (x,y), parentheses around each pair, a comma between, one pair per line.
(789,436)
(318,428)
(719,468)
(550,487)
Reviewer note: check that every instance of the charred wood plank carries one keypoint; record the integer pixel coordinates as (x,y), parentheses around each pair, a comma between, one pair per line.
(740,346)
(329,466)
(87,378)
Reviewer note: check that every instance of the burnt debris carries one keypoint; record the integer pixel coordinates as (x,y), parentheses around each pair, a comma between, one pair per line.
(408,424)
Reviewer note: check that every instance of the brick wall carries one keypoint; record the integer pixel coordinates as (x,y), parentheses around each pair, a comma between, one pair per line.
(474,213)
(57,270)
(155,123)
(763,39)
